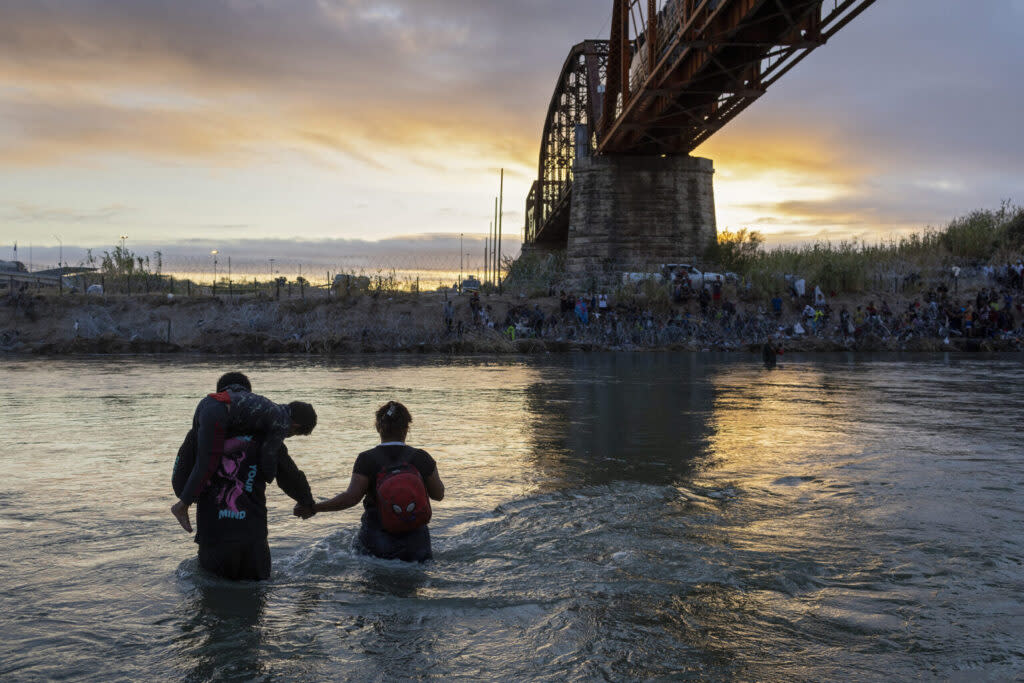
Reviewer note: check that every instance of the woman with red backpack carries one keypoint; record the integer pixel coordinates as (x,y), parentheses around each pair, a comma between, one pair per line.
(395,482)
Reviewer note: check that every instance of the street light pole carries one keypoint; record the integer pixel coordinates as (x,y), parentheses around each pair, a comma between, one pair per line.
(214,253)
(60,259)
(460,263)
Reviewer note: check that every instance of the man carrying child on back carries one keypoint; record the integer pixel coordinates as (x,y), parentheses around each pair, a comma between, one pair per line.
(235,448)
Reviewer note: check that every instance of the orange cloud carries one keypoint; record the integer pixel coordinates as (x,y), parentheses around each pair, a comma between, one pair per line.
(218,80)
(804,151)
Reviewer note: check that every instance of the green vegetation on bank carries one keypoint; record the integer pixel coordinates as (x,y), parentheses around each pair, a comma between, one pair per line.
(983,237)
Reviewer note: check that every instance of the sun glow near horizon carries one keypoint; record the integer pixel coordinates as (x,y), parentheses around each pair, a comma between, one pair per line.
(225,122)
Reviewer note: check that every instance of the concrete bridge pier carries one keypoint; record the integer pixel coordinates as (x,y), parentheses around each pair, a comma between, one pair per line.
(635,213)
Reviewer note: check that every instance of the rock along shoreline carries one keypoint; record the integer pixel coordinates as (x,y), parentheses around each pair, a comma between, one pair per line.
(405,323)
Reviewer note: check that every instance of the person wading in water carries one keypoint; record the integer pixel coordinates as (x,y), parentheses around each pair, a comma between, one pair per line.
(228,476)
(394,482)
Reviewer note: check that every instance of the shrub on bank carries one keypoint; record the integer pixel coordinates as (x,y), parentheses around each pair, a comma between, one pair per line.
(851,266)
(533,275)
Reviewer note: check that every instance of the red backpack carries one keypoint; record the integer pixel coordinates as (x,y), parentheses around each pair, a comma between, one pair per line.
(402,499)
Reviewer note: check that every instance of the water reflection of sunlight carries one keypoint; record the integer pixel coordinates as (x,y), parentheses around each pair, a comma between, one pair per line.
(767,422)
(467,413)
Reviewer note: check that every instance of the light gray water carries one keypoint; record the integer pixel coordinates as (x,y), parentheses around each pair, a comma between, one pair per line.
(609,517)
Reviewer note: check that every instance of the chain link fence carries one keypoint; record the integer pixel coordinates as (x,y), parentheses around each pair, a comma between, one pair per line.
(271,277)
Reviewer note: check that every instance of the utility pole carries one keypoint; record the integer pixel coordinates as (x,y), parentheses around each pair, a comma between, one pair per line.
(60,259)
(460,262)
(501,210)
(214,253)
(487,246)
(494,245)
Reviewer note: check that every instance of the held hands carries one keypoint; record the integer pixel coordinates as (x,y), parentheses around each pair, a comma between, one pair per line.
(303,511)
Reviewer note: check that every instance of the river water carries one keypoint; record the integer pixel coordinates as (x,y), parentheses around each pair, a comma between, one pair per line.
(608,517)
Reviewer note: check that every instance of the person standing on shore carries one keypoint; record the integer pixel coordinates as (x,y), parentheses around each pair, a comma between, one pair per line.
(394,482)
(449,316)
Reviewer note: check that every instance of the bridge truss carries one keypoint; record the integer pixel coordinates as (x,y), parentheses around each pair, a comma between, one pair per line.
(569,129)
(671,74)
(679,73)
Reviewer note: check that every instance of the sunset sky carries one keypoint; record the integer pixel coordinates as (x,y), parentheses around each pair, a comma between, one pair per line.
(307,129)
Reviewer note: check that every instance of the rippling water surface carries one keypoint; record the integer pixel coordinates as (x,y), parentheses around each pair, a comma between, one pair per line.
(609,517)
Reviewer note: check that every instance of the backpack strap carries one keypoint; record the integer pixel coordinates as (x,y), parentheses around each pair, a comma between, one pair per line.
(403,460)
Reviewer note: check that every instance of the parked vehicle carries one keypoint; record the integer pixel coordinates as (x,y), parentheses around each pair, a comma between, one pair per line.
(347,281)
(633,278)
(12,267)
(698,279)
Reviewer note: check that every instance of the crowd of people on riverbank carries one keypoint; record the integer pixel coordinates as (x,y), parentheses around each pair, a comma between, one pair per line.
(710,318)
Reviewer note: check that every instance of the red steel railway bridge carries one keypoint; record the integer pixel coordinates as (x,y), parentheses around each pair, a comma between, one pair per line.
(616,184)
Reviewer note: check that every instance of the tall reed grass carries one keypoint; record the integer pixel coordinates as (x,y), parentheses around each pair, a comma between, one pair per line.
(979,238)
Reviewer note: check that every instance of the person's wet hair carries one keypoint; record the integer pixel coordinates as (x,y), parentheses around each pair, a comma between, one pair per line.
(393,418)
(302,415)
(229,378)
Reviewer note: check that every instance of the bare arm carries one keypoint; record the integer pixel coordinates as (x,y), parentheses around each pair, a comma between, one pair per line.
(357,488)
(435,487)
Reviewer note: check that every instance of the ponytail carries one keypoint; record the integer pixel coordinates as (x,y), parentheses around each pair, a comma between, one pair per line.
(393,418)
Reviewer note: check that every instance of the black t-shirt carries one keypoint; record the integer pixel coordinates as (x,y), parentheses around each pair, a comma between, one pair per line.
(371,462)
(233,505)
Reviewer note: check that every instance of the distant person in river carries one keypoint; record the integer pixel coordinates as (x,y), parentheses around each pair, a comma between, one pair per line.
(234,449)
(395,482)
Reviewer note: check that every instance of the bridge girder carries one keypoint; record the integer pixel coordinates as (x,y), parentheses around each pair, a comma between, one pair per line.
(672,73)
(713,58)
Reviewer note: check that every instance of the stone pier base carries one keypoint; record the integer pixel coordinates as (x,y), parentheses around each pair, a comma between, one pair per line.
(634,214)
(538,249)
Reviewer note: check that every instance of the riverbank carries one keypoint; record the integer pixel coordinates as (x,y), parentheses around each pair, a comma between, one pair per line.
(415,323)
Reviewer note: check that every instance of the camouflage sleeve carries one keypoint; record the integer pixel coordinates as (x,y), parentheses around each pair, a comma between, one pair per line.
(255,414)
(272,445)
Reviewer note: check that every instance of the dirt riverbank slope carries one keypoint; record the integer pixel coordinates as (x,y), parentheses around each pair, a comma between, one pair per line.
(79,324)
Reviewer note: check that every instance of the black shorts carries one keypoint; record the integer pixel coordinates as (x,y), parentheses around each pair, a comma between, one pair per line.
(373,540)
(238,561)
